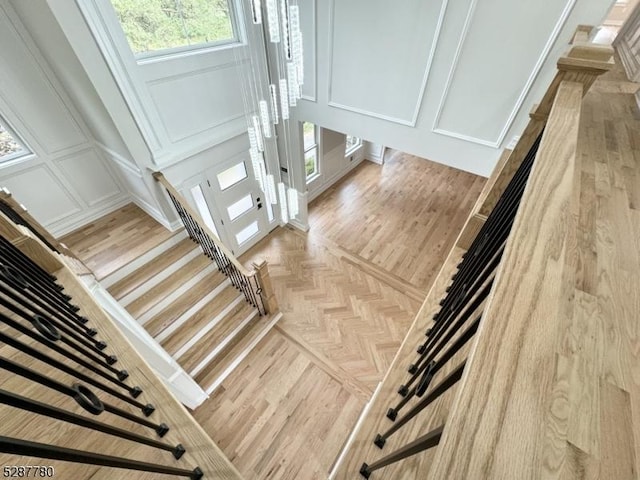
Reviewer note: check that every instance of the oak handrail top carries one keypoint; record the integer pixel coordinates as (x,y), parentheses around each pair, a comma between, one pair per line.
(159,177)
(501,420)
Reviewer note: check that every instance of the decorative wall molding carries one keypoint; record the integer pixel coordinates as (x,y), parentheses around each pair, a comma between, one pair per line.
(411,122)
(314,49)
(123,162)
(495,143)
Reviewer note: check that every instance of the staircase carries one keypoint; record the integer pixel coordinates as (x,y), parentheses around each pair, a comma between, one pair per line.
(190,308)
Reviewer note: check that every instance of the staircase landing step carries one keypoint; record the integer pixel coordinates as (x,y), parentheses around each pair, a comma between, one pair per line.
(215,372)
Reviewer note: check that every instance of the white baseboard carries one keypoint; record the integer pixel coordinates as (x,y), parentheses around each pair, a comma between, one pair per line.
(156,214)
(74,222)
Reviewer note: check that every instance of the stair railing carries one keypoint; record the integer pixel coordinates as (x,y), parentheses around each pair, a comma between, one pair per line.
(254,284)
(539,168)
(60,374)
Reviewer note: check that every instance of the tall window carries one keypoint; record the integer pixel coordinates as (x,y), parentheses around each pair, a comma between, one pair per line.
(353,143)
(310,136)
(160,25)
(10,146)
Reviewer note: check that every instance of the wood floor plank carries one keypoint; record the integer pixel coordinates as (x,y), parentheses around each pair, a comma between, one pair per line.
(163,319)
(149,270)
(148,299)
(200,319)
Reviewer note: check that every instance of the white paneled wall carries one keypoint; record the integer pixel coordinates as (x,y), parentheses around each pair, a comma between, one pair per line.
(66,182)
(451,81)
(627,44)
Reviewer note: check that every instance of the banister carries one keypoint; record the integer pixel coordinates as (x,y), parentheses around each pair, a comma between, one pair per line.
(255,284)
(583,63)
(160,178)
(488,434)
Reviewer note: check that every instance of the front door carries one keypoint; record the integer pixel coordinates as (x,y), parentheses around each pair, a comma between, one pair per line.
(245,215)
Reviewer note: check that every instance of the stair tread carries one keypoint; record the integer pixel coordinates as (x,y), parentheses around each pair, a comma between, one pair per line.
(212,372)
(168,285)
(200,319)
(163,319)
(150,269)
(198,352)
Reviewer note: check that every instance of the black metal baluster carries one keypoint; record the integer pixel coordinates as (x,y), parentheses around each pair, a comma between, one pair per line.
(23,403)
(460,342)
(16,446)
(449,381)
(16,218)
(32,352)
(52,333)
(81,394)
(421,444)
(47,337)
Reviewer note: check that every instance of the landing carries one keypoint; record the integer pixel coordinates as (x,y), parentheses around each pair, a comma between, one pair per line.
(116,239)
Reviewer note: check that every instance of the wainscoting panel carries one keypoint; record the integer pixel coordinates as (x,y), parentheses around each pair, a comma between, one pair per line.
(495,65)
(404,37)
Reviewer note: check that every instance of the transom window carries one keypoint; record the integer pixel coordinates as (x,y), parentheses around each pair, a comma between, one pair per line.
(11,147)
(310,141)
(353,143)
(155,26)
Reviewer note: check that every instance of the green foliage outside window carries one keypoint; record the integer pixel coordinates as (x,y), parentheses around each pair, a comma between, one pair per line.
(152,25)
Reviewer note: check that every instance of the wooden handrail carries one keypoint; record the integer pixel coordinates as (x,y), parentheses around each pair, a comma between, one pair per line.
(160,178)
(583,63)
(51,431)
(502,410)
(496,386)
(260,271)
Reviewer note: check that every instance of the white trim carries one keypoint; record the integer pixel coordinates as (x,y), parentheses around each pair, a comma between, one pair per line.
(223,344)
(112,48)
(183,387)
(140,290)
(523,93)
(146,257)
(120,160)
(425,76)
(243,355)
(62,227)
(174,295)
(182,319)
(314,22)
(206,329)
(354,432)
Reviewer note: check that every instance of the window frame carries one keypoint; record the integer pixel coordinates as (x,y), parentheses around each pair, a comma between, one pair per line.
(14,157)
(170,52)
(315,146)
(354,148)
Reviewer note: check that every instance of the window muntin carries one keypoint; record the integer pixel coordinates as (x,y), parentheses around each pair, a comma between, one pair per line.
(11,147)
(310,145)
(159,26)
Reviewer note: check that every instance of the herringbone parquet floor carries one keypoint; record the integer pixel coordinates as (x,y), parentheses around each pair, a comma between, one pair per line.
(286,412)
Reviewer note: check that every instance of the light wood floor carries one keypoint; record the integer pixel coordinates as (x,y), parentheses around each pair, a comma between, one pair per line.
(115,239)
(590,395)
(402,216)
(295,399)
(287,410)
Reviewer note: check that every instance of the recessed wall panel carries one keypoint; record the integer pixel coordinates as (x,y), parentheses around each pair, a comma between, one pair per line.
(381,55)
(496,63)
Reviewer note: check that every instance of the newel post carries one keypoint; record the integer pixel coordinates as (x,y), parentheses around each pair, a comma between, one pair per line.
(264,281)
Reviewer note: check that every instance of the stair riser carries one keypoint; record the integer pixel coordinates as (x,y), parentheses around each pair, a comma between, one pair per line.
(163,275)
(166,301)
(224,344)
(142,260)
(180,321)
(210,326)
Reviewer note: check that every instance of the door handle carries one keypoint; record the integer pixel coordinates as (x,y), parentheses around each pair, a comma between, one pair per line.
(259,206)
